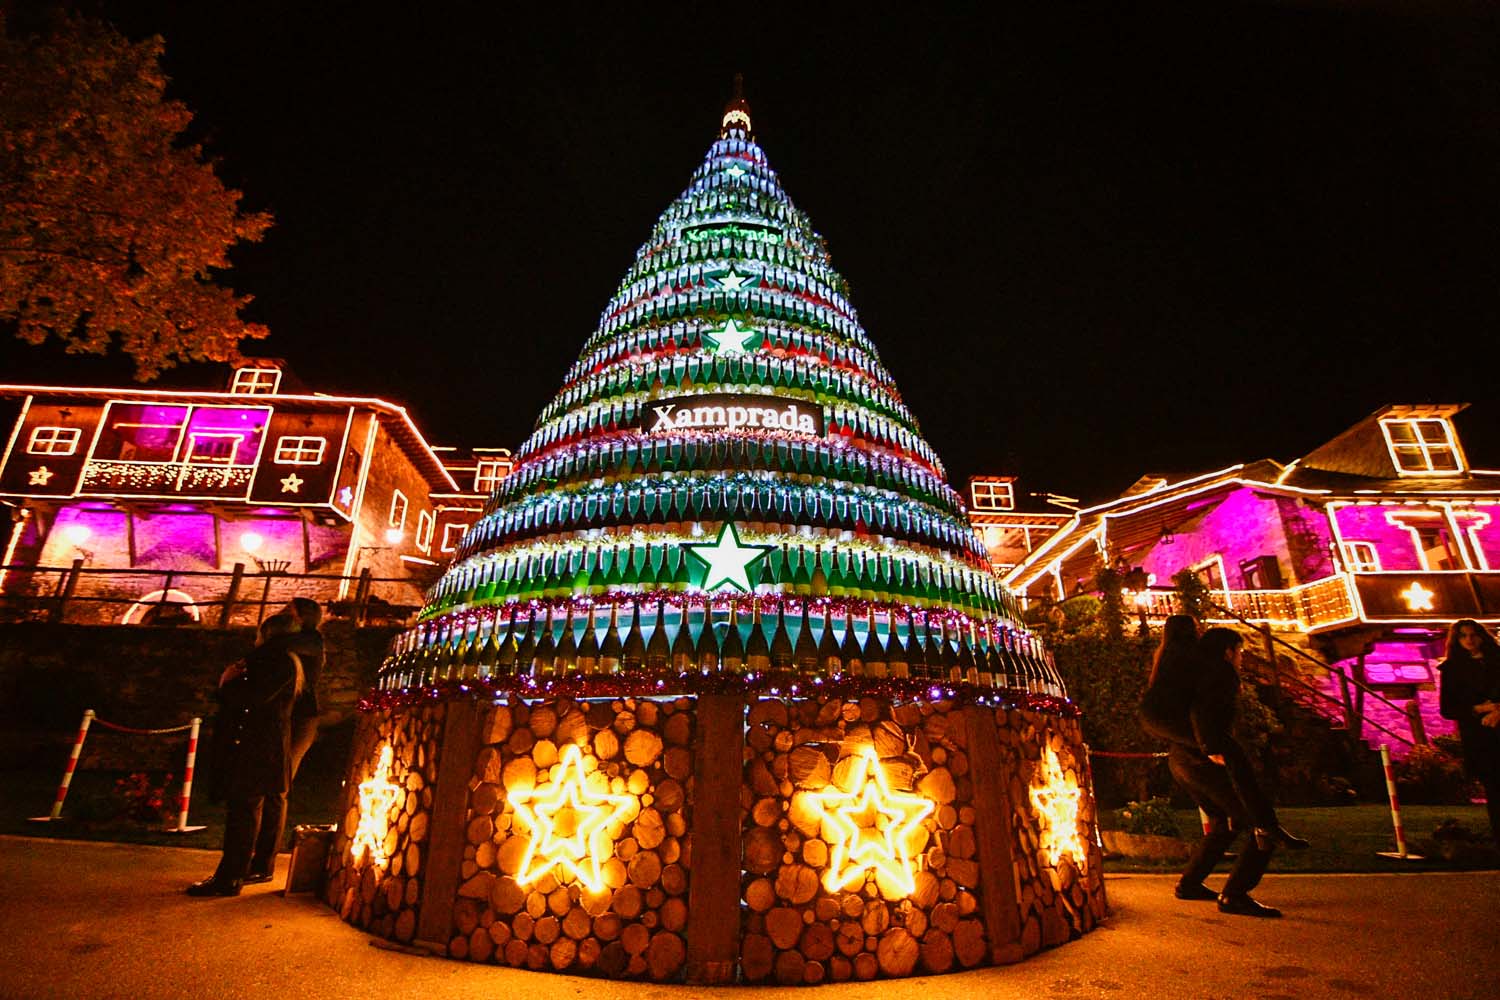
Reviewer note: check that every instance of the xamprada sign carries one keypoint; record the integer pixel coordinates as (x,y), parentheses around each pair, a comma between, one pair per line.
(731,413)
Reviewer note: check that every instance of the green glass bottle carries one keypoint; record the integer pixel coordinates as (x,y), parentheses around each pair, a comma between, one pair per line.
(566,662)
(612,649)
(805,650)
(830,657)
(757,649)
(732,647)
(875,662)
(633,649)
(544,656)
(659,649)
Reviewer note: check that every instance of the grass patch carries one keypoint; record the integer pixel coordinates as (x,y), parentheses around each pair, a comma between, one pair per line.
(1348,839)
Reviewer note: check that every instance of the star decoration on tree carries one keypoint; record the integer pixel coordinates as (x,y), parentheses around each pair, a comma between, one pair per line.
(1417,597)
(735,170)
(376,797)
(734,281)
(727,561)
(731,338)
(346,495)
(40,475)
(291,484)
(1056,802)
(870,827)
(568,823)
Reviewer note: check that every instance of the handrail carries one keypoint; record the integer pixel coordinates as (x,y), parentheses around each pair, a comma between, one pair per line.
(1365,689)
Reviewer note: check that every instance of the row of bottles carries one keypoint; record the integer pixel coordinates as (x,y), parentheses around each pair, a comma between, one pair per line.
(544,644)
(658,501)
(687,450)
(594,569)
(672,282)
(830,385)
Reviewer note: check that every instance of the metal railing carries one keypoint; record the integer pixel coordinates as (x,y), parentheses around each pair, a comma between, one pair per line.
(83,595)
(1308,606)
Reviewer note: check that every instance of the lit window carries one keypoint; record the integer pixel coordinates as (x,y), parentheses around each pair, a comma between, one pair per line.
(992,494)
(255,381)
(1424,445)
(1362,557)
(489,473)
(425,522)
(299,450)
(398,510)
(53,441)
(452,534)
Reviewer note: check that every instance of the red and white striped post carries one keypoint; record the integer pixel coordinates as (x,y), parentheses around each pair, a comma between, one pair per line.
(67,778)
(1203,820)
(1400,853)
(187,781)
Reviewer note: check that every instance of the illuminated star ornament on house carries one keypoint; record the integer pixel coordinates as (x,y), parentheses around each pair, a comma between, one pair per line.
(870,827)
(726,561)
(1057,801)
(568,823)
(40,475)
(1417,597)
(376,797)
(291,484)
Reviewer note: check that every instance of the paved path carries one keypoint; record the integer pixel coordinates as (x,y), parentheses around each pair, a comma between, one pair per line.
(85,920)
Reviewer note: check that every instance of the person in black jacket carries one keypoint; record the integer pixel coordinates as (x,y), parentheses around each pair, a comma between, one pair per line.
(1470,696)
(1190,702)
(257,707)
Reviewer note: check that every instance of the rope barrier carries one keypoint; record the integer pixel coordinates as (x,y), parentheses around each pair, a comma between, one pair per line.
(1128,756)
(187,777)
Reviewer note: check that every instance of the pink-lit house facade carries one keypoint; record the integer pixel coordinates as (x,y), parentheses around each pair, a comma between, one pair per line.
(1370,547)
(312,490)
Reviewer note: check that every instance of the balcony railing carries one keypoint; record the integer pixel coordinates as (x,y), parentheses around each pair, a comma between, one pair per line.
(110,476)
(1308,607)
(86,596)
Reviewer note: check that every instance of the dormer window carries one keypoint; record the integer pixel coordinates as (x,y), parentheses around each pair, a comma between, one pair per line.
(488,473)
(992,494)
(1422,446)
(255,381)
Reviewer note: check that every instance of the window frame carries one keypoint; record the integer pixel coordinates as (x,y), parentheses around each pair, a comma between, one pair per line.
(252,386)
(448,543)
(482,471)
(998,494)
(425,524)
(1358,563)
(297,444)
(398,499)
(1420,448)
(52,442)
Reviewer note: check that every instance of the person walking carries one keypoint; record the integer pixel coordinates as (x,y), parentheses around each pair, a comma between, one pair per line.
(1190,703)
(256,754)
(1469,694)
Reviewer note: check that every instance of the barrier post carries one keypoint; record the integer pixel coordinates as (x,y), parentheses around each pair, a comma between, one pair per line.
(67,778)
(187,781)
(1400,854)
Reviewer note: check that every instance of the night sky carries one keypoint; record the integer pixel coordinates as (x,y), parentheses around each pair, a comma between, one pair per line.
(1088,241)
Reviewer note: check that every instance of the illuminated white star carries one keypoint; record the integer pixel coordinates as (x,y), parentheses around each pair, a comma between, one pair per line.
(734,281)
(1056,802)
(1417,597)
(732,339)
(727,560)
(870,827)
(735,170)
(40,475)
(568,822)
(291,484)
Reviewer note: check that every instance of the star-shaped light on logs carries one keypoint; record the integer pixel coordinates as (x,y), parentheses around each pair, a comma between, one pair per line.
(40,475)
(291,484)
(728,561)
(1417,597)
(731,339)
(734,281)
(568,823)
(870,827)
(1056,802)
(376,797)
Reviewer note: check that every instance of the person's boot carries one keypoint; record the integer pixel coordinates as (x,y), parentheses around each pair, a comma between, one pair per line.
(1291,841)
(1198,891)
(1242,905)
(215,886)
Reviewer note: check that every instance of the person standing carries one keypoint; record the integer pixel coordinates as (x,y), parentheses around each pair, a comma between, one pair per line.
(306,644)
(1191,703)
(257,762)
(1470,696)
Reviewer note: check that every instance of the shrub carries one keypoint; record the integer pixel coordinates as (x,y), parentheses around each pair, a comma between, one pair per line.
(144,802)
(1154,816)
(1428,775)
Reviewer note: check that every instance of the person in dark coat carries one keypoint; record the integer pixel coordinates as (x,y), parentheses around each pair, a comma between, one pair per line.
(257,764)
(1190,703)
(1470,695)
(306,643)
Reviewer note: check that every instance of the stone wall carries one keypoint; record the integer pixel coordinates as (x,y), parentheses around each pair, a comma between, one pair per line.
(143,677)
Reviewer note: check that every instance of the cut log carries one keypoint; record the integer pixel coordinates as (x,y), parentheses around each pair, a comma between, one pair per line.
(515,952)
(790,967)
(500,934)
(669,794)
(606,744)
(796,883)
(968,943)
(613,960)
(519,775)
(588,953)
(547,929)
(766,812)
(544,754)
(521,925)
(571,728)
(808,767)
(417,831)
(762,850)
(543,721)
(760,895)
(897,952)
(636,938)
(678,729)
(678,763)
(648,829)
(756,957)
(628,902)
(674,880)
(815,853)
(866,966)
(673,914)
(644,869)
(607,926)
(511,852)
(665,955)
(805,814)
(849,939)
(784,925)
(937,951)
(937,785)
(562,953)
(497,725)
(642,747)
(816,942)
(769,710)
(876,919)
(577,924)
(481,829)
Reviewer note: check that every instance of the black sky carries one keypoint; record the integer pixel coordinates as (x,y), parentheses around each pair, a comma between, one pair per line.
(1089,241)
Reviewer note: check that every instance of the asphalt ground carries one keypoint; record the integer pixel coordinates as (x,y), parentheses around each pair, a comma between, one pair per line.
(85,920)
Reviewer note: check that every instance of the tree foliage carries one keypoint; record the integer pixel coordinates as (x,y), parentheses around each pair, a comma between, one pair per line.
(114,228)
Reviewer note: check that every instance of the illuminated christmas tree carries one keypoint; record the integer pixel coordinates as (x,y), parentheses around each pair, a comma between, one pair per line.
(726,490)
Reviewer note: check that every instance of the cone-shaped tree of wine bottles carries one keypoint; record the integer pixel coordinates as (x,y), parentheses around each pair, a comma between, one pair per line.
(728,483)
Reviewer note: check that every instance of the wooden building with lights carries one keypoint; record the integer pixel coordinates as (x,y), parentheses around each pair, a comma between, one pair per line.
(1371,546)
(1011,535)
(121,487)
